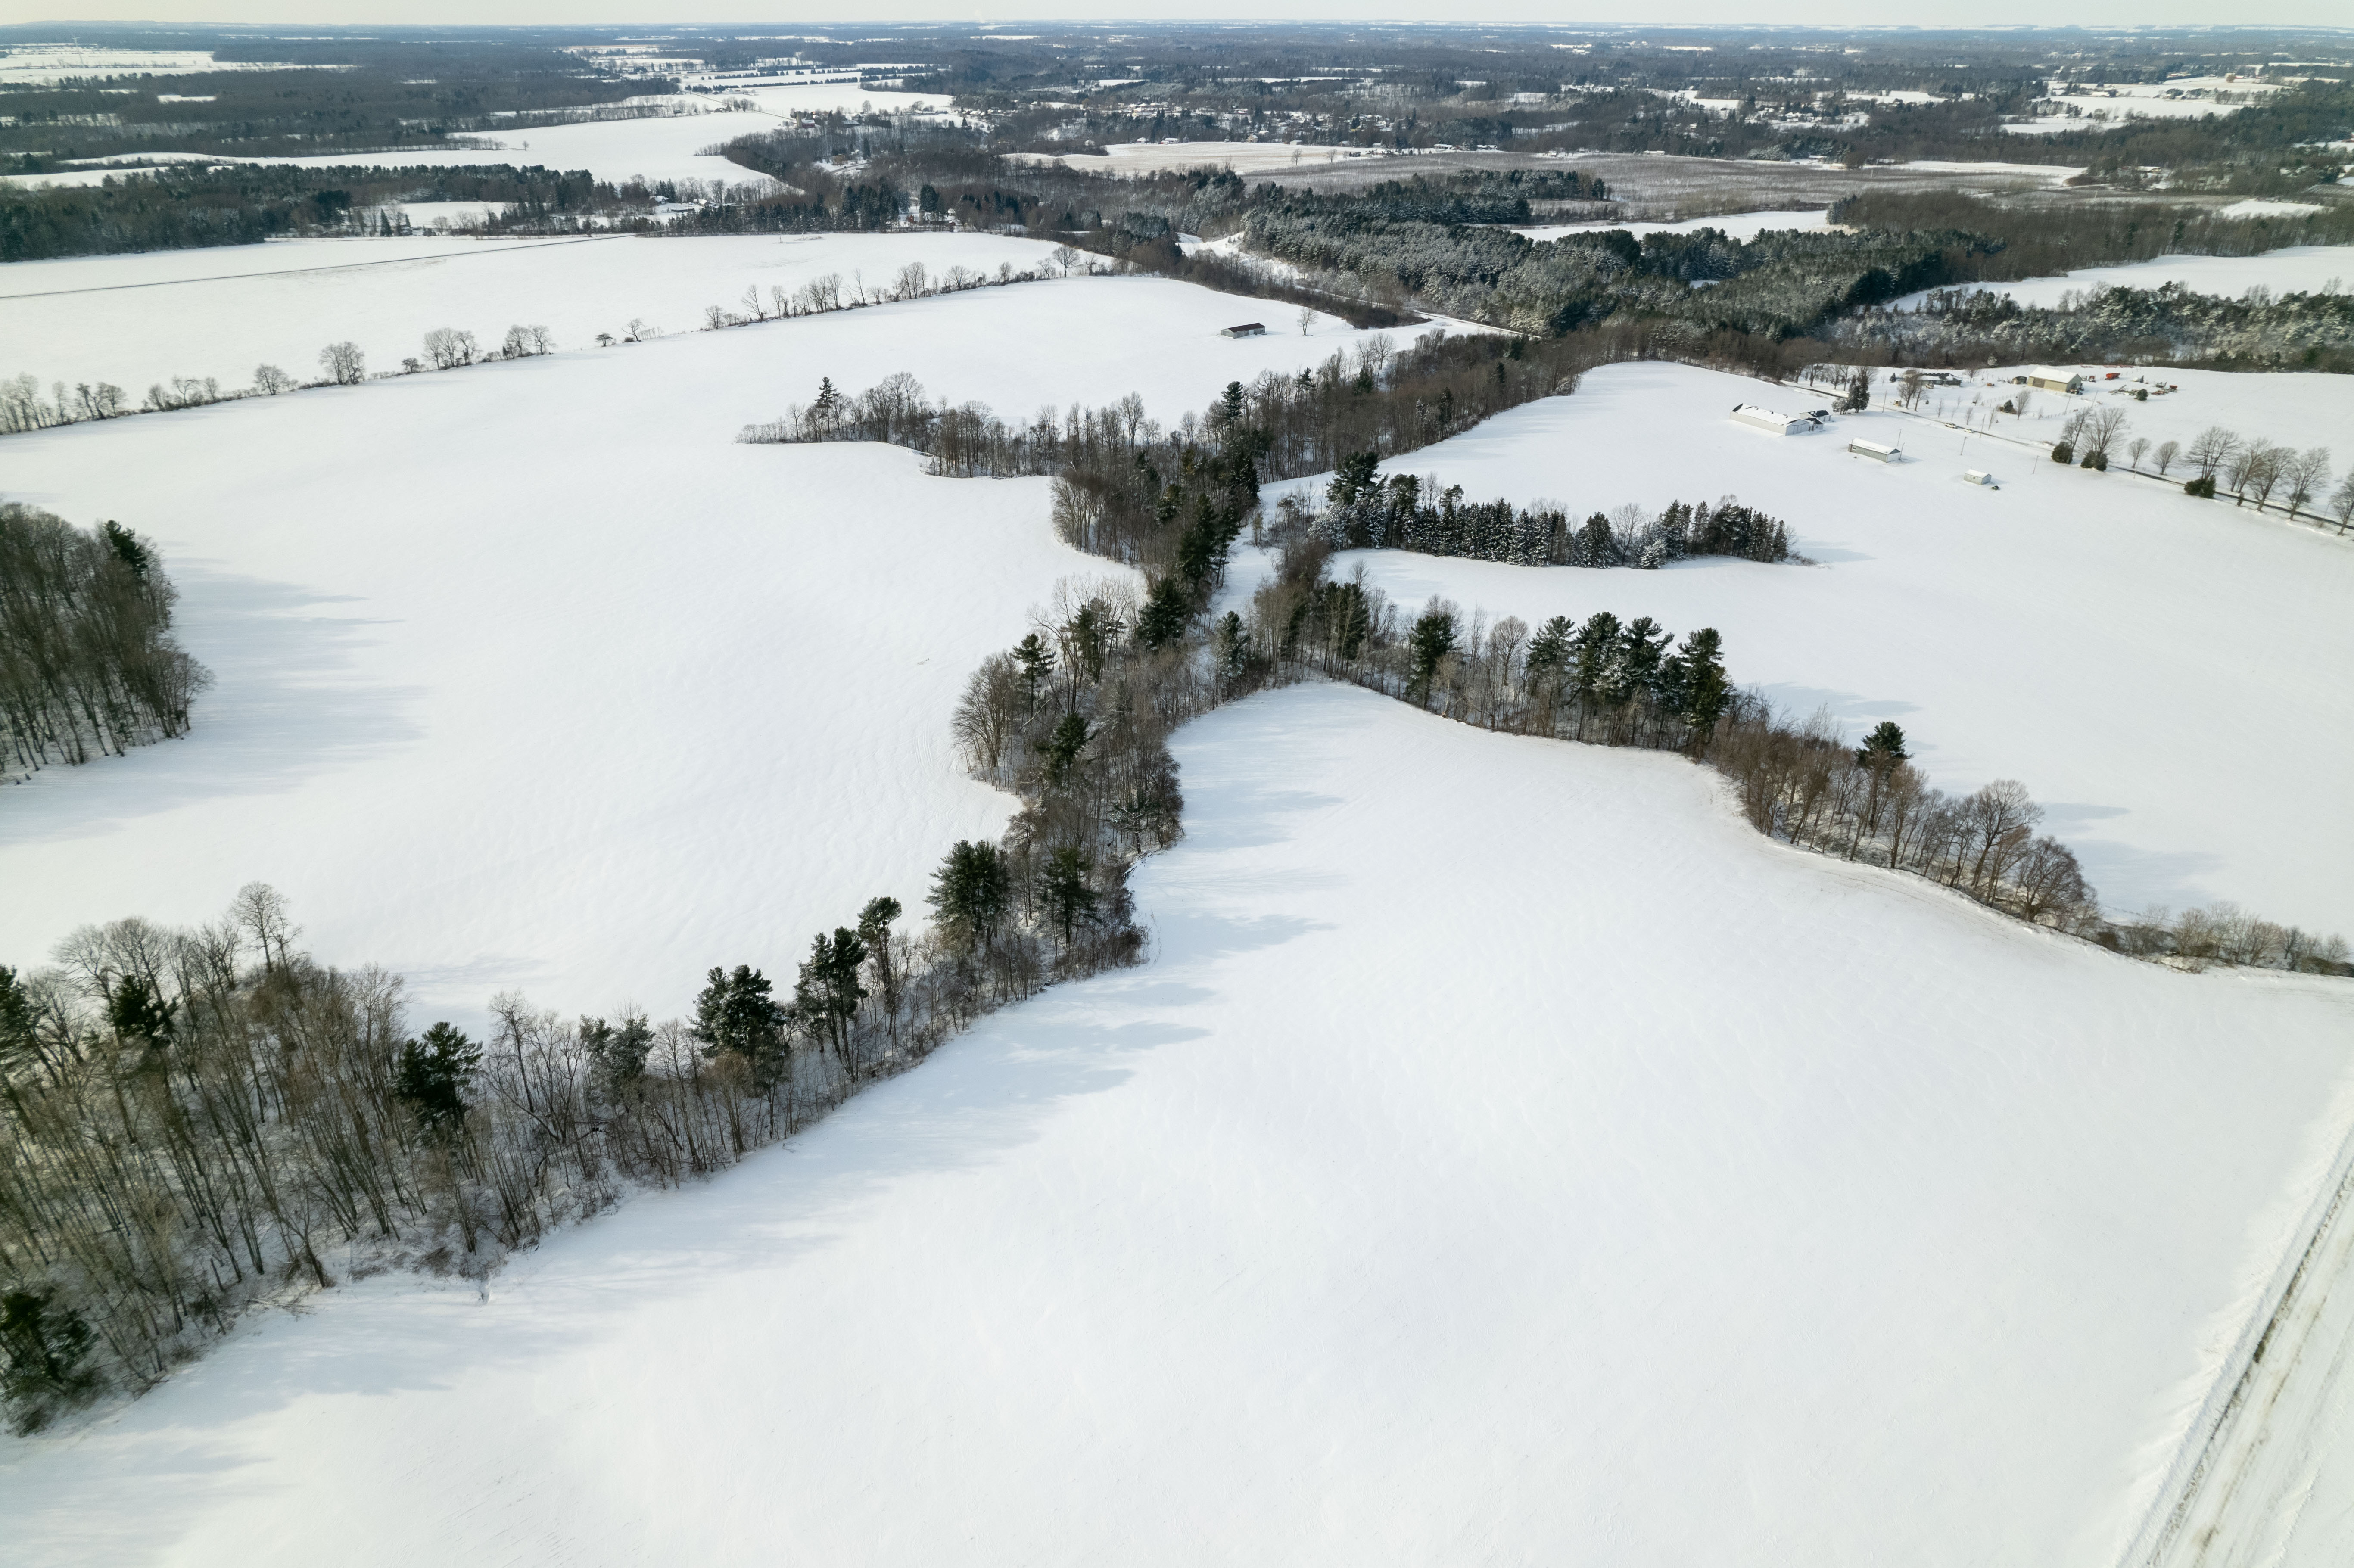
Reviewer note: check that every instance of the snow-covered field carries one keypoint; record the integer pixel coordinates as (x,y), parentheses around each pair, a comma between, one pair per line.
(2292,269)
(1736,225)
(1242,158)
(667,148)
(2097,108)
(2164,673)
(133,320)
(40,64)
(529,676)
(1510,1157)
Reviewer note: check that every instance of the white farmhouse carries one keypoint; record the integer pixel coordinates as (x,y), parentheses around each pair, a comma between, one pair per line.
(1766,420)
(2046,379)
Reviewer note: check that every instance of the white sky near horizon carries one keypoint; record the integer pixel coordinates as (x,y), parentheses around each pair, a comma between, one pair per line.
(1977,15)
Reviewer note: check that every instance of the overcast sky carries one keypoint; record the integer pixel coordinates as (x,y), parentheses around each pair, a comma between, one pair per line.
(1870,13)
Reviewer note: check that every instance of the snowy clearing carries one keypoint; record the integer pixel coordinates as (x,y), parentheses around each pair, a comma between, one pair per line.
(529,676)
(668,147)
(2292,269)
(1242,158)
(2164,673)
(89,318)
(1736,225)
(1373,1222)
(2051,174)
(783,98)
(2257,206)
(42,65)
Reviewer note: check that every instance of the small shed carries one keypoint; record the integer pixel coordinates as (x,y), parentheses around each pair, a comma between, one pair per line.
(1875,451)
(1249,329)
(1766,420)
(1979,476)
(2048,380)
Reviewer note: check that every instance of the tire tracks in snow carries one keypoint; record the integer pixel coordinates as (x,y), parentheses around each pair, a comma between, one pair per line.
(2260,1477)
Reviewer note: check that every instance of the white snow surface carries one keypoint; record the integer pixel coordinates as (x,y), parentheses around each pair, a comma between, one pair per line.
(669,147)
(100,317)
(1736,225)
(2164,673)
(1657,1194)
(1242,158)
(2292,269)
(41,65)
(530,676)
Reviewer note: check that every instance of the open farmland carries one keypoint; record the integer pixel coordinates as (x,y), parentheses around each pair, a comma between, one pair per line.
(530,676)
(1394,1214)
(133,320)
(665,147)
(2160,672)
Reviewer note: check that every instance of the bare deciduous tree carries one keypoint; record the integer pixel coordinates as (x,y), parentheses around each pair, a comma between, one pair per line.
(2256,471)
(2165,455)
(2210,448)
(448,347)
(271,380)
(2306,475)
(344,363)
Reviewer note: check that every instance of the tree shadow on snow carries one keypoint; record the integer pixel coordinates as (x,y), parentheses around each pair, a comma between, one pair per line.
(283,707)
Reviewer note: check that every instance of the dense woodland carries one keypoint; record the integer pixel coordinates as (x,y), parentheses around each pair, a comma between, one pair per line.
(240,203)
(87,663)
(371,91)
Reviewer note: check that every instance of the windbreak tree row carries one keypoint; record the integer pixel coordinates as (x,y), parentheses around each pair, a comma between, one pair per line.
(87,662)
(1365,512)
(200,1119)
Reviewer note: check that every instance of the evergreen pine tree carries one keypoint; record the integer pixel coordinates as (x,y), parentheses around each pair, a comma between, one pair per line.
(1702,690)
(1068,893)
(735,1015)
(1168,609)
(1063,748)
(1035,661)
(971,893)
(1883,747)
(432,1076)
(43,1346)
(1431,641)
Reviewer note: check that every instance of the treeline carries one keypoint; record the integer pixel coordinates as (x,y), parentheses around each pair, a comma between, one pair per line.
(1609,682)
(201,1118)
(2044,239)
(25,405)
(87,662)
(1364,511)
(1131,491)
(182,206)
(2168,325)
